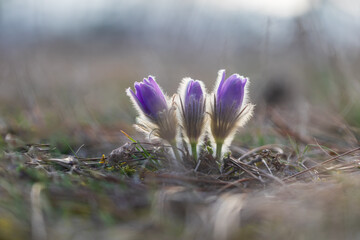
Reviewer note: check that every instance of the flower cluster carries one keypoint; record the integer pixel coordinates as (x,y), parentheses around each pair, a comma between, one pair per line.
(162,117)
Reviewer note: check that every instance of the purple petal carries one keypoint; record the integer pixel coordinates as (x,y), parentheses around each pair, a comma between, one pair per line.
(153,83)
(134,96)
(232,93)
(193,92)
(151,101)
(138,92)
(196,90)
(141,101)
(149,97)
(146,81)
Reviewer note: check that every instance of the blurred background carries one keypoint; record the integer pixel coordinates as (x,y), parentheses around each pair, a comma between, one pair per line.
(65,65)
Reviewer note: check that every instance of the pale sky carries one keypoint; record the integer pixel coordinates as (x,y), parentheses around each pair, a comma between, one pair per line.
(277,8)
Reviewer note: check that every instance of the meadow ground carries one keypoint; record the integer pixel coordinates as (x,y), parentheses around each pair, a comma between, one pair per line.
(279,183)
(293,171)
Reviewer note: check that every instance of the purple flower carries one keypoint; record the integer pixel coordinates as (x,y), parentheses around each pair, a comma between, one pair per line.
(157,115)
(228,111)
(192,111)
(193,108)
(149,97)
(157,118)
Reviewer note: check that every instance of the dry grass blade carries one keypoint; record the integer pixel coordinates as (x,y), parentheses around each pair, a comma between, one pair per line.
(321,164)
(244,166)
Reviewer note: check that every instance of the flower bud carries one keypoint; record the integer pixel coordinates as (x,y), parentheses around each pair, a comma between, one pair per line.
(229,109)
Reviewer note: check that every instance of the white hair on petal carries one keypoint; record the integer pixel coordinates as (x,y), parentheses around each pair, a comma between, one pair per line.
(134,102)
(246,91)
(243,119)
(218,80)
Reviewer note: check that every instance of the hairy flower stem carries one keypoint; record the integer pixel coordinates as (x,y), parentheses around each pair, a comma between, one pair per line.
(218,150)
(194,151)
